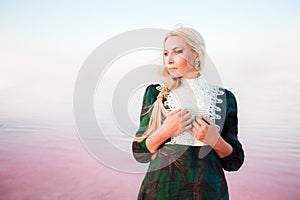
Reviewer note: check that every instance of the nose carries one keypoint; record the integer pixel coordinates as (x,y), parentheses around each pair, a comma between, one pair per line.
(169,59)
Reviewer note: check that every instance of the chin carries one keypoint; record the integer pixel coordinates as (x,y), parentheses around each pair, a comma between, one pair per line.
(175,77)
(174,74)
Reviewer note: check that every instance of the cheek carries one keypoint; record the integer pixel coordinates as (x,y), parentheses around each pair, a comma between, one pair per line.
(191,58)
(182,63)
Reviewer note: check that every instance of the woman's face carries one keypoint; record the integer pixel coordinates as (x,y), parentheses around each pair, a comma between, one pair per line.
(178,57)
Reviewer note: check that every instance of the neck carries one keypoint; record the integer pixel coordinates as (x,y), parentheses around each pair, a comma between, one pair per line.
(192,75)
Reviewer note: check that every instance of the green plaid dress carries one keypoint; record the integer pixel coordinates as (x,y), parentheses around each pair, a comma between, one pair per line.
(188,172)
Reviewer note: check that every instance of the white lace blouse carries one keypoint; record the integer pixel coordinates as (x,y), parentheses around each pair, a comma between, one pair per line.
(199,98)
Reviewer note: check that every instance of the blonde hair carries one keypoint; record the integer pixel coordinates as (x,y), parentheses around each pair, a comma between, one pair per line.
(196,42)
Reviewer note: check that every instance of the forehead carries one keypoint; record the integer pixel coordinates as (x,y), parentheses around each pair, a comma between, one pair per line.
(173,42)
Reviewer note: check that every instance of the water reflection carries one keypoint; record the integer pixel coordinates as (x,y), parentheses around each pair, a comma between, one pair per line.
(47,161)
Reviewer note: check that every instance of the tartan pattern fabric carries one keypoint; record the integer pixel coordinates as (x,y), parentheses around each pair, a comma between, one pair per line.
(178,171)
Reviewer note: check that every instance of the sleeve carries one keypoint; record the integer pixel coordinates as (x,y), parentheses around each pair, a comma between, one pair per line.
(229,133)
(139,149)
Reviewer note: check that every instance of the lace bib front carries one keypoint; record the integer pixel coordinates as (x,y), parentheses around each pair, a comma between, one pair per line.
(199,98)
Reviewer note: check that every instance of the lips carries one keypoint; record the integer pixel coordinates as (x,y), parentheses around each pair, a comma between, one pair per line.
(172,68)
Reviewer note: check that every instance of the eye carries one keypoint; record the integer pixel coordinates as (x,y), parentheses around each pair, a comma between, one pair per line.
(178,51)
(165,53)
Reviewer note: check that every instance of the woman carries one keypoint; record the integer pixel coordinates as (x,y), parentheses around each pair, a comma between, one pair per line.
(188,128)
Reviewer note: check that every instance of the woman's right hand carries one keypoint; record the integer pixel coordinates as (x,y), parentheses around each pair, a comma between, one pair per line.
(177,122)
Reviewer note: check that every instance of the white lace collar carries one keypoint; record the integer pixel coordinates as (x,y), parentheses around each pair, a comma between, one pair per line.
(197,82)
(200,98)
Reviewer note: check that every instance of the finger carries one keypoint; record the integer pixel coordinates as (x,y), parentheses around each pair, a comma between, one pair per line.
(178,111)
(188,122)
(196,134)
(183,114)
(202,123)
(185,110)
(196,125)
(194,131)
(202,126)
(173,112)
(186,117)
(205,119)
(197,120)
(189,127)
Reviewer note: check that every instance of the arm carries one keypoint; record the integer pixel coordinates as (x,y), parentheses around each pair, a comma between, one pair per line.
(227,147)
(234,160)
(175,122)
(139,149)
(153,142)
(206,131)
(222,148)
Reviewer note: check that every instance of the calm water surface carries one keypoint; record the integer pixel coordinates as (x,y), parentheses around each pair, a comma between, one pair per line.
(44,160)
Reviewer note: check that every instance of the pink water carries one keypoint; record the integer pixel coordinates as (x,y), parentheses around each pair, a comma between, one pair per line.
(47,161)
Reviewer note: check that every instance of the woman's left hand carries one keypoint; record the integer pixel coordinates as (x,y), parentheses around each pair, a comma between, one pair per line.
(205,130)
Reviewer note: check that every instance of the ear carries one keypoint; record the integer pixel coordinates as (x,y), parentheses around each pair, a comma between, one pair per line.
(197,63)
(197,57)
(196,60)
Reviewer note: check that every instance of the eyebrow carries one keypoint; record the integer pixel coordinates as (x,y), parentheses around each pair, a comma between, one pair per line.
(174,48)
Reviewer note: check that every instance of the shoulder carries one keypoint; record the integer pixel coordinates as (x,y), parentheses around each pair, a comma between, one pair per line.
(226,95)
(230,100)
(152,89)
(229,95)
(219,90)
(151,93)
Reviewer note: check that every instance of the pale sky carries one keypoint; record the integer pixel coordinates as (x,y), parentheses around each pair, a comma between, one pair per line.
(43,44)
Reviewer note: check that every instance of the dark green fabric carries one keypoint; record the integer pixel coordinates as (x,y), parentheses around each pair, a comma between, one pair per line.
(178,171)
